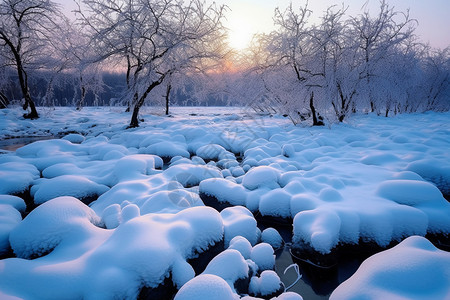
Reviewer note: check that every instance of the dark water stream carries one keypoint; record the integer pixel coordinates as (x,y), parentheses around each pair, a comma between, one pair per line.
(12,144)
(316,283)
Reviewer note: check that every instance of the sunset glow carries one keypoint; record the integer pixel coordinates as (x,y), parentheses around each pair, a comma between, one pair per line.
(240,35)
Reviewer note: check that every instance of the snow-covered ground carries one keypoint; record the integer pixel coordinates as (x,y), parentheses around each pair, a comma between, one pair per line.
(372,179)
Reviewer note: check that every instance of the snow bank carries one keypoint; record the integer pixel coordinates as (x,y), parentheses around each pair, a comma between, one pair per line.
(414,269)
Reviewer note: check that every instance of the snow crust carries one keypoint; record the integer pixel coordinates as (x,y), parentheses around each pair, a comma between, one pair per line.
(372,179)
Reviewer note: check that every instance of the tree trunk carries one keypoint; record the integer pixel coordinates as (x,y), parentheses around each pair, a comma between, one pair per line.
(80,102)
(33,112)
(134,117)
(169,87)
(26,93)
(316,122)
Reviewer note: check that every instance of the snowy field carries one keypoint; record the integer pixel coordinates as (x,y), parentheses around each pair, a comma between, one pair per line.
(116,213)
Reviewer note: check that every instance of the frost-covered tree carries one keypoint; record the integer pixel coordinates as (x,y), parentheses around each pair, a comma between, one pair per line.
(4,82)
(377,37)
(345,64)
(155,39)
(290,72)
(26,31)
(436,83)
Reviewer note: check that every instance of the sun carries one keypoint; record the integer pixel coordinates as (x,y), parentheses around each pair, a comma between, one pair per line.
(239,34)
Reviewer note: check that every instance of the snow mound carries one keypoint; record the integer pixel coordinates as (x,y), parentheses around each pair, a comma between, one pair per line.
(410,192)
(49,224)
(242,245)
(272,237)
(166,149)
(414,269)
(276,203)
(10,217)
(434,170)
(190,175)
(229,265)
(288,296)
(267,283)
(262,255)
(206,287)
(135,166)
(17,177)
(13,201)
(239,221)
(104,264)
(319,227)
(224,190)
(211,152)
(74,138)
(170,201)
(262,176)
(66,185)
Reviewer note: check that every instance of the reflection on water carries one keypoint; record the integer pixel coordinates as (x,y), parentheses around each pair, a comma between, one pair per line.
(316,282)
(303,287)
(13,144)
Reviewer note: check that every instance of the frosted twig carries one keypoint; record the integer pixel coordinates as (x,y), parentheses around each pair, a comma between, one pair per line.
(299,276)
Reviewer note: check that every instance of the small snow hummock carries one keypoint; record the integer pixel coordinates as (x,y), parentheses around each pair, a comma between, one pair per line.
(242,245)
(10,217)
(66,185)
(414,269)
(224,190)
(266,284)
(206,287)
(272,237)
(263,255)
(320,228)
(49,224)
(239,221)
(262,176)
(229,265)
(17,177)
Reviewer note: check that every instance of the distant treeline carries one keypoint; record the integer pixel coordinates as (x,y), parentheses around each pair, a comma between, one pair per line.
(111,92)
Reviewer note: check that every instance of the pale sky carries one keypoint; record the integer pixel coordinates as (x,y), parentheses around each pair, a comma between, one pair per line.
(247,17)
(250,16)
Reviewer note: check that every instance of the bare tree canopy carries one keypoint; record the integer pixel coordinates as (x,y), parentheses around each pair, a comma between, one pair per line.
(153,39)
(27,30)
